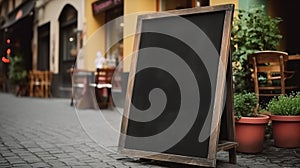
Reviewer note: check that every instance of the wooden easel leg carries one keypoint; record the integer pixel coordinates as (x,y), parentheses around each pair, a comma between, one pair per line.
(232,155)
(229,112)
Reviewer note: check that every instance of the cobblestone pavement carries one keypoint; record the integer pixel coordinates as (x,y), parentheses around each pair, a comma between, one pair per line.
(47,133)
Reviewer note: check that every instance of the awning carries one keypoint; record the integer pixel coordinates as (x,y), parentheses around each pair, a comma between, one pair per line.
(22,11)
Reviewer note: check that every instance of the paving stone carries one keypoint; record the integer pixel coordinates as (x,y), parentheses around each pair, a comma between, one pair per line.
(8,154)
(69,149)
(25,154)
(74,163)
(32,159)
(21,166)
(55,151)
(62,155)
(120,165)
(4,162)
(13,158)
(55,162)
(40,165)
(17,162)
(29,145)
(100,165)
(273,166)
(36,150)
(276,161)
(47,158)
(257,166)
(81,166)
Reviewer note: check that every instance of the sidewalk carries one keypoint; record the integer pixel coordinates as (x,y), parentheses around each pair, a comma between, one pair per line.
(49,133)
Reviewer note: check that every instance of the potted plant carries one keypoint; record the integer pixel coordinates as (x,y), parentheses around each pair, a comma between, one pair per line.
(17,74)
(249,125)
(253,30)
(285,118)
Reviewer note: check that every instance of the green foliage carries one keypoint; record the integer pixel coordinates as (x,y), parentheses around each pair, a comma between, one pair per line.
(285,104)
(244,104)
(17,73)
(252,31)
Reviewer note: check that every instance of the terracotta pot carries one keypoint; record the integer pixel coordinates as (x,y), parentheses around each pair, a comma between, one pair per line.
(250,133)
(286,131)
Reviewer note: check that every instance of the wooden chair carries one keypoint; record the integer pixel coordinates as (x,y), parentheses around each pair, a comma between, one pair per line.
(47,83)
(271,66)
(36,83)
(40,83)
(103,85)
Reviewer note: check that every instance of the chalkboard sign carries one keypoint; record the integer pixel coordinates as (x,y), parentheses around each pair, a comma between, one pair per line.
(177,85)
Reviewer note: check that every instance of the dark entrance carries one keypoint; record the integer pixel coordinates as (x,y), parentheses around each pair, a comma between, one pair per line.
(43,47)
(20,35)
(67,51)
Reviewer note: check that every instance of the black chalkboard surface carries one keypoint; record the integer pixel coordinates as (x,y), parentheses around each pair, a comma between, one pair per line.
(177,86)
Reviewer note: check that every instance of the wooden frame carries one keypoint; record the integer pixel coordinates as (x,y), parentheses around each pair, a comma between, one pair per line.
(222,75)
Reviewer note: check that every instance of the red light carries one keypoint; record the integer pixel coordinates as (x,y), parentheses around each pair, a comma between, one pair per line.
(8,51)
(5,60)
(8,41)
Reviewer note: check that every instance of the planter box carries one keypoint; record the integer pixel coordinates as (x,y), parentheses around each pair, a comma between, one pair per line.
(250,133)
(286,131)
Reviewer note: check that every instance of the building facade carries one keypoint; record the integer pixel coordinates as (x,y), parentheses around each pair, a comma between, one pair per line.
(57,28)
(57,35)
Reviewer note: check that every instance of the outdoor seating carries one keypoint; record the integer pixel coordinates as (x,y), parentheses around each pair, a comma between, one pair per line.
(87,85)
(40,83)
(269,73)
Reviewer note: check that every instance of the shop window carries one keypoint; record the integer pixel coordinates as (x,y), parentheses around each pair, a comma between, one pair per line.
(70,43)
(165,5)
(114,35)
(175,4)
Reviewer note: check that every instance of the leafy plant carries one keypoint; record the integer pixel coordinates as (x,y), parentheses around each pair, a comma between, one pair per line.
(285,104)
(245,104)
(253,30)
(17,73)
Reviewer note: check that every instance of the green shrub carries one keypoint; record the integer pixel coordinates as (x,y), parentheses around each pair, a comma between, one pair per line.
(245,104)
(17,73)
(285,104)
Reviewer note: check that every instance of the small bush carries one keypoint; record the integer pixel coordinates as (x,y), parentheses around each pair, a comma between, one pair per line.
(244,104)
(285,104)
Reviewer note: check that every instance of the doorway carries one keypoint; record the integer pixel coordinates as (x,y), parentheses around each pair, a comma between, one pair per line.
(62,87)
(43,59)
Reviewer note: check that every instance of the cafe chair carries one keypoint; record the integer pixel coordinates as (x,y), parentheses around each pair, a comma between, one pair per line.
(269,73)
(40,83)
(47,83)
(36,83)
(103,85)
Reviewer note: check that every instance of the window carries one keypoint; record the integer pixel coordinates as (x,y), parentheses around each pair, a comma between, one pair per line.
(175,4)
(114,33)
